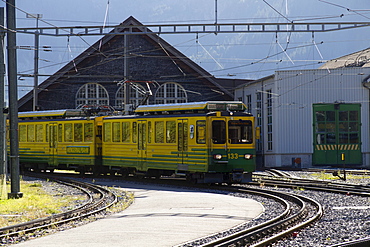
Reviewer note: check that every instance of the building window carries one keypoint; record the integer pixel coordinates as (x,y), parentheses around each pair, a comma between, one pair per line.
(170,93)
(248,102)
(259,118)
(136,95)
(269,120)
(92,94)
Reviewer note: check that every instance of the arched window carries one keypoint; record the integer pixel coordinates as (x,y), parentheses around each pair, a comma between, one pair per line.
(92,94)
(170,92)
(136,91)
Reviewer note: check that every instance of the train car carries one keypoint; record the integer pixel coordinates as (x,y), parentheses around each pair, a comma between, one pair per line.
(208,142)
(63,139)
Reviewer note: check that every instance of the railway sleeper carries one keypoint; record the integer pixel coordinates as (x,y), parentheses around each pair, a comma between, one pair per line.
(212,178)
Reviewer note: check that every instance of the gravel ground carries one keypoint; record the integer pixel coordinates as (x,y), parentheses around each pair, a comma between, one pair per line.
(346,217)
(60,190)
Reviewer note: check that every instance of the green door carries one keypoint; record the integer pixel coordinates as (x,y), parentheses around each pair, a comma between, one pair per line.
(182,144)
(337,134)
(53,144)
(141,145)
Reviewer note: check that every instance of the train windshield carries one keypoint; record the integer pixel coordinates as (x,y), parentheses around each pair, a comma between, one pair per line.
(238,131)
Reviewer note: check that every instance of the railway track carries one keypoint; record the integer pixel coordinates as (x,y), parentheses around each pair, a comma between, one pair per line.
(310,184)
(303,211)
(299,212)
(278,178)
(99,199)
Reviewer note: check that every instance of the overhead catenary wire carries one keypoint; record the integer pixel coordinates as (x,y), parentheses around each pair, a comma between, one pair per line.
(105,21)
(265,60)
(348,9)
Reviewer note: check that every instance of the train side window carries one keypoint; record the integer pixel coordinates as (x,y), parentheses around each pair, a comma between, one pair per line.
(47,133)
(107,130)
(134,132)
(23,133)
(68,132)
(201,132)
(159,131)
(88,132)
(126,132)
(116,131)
(77,132)
(31,133)
(60,132)
(149,132)
(39,133)
(219,131)
(170,132)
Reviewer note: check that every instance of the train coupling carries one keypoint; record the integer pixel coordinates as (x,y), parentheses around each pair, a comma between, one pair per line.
(242,177)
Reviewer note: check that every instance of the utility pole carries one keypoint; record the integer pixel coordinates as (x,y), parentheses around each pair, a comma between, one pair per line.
(126,75)
(13,101)
(3,149)
(36,60)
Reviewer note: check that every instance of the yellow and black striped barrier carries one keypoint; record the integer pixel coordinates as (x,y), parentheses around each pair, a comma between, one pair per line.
(333,147)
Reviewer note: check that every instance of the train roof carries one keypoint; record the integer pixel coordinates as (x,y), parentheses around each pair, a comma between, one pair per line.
(52,114)
(207,106)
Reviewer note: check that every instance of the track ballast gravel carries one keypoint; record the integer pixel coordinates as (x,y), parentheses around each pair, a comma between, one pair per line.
(346,217)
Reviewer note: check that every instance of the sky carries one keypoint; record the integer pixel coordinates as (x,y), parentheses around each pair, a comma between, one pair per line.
(237,55)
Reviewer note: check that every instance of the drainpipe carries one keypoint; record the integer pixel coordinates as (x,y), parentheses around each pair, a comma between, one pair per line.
(366,84)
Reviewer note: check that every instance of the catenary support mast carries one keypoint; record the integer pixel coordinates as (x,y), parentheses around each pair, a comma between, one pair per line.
(13,100)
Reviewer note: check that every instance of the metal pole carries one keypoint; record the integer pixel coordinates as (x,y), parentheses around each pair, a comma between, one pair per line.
(125,75)
(36,70)
(13,101)
(215,11)
(36,60)
(2,106)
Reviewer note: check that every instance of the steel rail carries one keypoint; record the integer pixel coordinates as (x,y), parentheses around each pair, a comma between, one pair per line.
(268,229)
(89,208)
(319,213)
(312,184)
(364,242)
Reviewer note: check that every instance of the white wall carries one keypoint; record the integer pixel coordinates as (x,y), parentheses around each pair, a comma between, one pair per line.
(293,93)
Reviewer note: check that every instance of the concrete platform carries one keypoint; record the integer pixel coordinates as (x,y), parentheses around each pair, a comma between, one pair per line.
(158,217)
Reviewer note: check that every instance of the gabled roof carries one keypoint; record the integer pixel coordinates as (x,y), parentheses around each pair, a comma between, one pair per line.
(131,21)
(356,59)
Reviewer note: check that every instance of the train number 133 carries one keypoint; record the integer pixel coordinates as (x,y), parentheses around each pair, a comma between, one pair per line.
(233,156)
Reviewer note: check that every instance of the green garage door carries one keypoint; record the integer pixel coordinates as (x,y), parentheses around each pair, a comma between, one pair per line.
(337,134)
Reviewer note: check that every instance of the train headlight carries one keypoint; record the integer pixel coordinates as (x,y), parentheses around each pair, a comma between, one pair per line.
(248,156)
(217,156)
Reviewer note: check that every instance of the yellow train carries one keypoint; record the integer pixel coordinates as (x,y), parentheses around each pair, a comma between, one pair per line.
(208,142)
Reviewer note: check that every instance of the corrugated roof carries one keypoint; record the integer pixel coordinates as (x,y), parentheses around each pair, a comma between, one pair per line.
(357,59)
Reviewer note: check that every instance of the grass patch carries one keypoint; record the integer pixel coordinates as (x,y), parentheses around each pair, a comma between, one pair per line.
(125,199)
(35,203)
(329,176)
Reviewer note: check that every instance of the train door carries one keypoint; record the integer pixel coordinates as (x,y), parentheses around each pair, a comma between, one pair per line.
(53,143)
(182,144)
(220,145)
(142,143)
(337,132)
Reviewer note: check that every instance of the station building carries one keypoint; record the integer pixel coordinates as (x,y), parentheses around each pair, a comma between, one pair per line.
(122,70)
(317,117)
